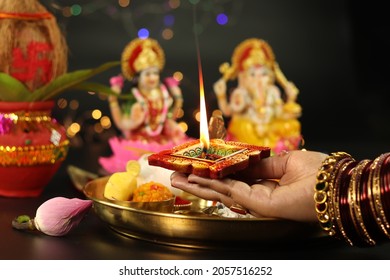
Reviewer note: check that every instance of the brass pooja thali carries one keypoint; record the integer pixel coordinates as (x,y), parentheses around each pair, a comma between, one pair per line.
(196,227)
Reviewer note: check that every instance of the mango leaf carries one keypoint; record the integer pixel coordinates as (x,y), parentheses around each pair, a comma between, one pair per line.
(67,81)
(12,89)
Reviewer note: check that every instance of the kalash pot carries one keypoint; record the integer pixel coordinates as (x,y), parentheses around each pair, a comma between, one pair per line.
(33,146)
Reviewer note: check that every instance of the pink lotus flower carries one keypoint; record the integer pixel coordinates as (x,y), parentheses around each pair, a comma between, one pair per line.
(171,82)
(56,217)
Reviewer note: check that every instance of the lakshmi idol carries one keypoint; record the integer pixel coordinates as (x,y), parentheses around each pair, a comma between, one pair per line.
(152,116)
(262,108)
(147,120)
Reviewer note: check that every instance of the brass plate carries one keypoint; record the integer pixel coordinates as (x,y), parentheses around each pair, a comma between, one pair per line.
(192,228)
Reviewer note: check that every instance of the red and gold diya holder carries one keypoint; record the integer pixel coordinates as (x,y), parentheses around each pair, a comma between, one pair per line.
(220,159)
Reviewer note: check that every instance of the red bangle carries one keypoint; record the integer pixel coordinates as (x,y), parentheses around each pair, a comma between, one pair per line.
(385,186)
(341,168)
(350,230)
(367,216)
(354,203)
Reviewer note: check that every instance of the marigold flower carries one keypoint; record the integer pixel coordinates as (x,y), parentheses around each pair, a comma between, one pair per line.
(56,217)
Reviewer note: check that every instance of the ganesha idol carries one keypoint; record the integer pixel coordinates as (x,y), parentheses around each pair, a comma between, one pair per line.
(262,108)
(148,119)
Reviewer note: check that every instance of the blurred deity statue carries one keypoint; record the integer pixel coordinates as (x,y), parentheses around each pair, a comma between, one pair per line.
(262,108)
(152,116)
(148,117)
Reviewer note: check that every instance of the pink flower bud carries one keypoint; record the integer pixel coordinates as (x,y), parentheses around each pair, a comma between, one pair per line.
(117,81)
(59,215)
(56,217)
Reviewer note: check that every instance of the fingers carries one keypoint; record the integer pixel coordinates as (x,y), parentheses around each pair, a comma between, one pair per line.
(278,166)
(273,167)
(265,199)
(231,192)
(181,181)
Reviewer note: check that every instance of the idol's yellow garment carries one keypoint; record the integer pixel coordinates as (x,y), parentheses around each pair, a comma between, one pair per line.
(276,133)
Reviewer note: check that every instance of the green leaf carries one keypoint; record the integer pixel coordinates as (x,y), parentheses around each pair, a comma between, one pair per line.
(68,81)
(12,89)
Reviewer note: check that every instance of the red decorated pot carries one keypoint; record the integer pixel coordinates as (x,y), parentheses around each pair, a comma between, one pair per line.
(32,147)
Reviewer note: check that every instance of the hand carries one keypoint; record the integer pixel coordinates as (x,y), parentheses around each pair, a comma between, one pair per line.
(291,92)
(220,88)
(116,83)
(280,186)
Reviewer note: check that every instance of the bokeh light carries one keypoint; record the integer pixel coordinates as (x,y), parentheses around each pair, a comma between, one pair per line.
(178,76)
(74,104)
(98,128)
(124,3)
(222,19)
(105,122)
(143,33)
(75,10)
(62,103)
(174,4)
(169,20)
(66,12)
(183,126)
(180,113)
(96,114)
(73,129)
(167,34)
(197,116)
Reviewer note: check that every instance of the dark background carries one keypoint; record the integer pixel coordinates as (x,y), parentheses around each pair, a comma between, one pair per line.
(335,51)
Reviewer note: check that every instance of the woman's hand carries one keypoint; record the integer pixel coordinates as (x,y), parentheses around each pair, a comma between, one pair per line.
(280,186)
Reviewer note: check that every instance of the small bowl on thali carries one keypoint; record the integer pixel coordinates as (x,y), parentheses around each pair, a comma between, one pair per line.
(163,206)
(192,227)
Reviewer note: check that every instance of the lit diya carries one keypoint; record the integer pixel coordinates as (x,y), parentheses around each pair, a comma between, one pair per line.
(205,157)
(220,159)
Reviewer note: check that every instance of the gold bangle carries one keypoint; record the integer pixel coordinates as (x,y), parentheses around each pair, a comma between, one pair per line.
(354,203)
(324,192)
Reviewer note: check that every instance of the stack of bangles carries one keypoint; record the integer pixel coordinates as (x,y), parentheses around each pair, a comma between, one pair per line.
(353,198)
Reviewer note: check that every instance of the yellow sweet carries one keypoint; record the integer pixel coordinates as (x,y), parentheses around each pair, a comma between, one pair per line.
(152,191)
(121,185)
(133,167)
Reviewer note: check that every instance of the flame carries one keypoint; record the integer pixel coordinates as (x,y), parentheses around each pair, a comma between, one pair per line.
(204,130)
